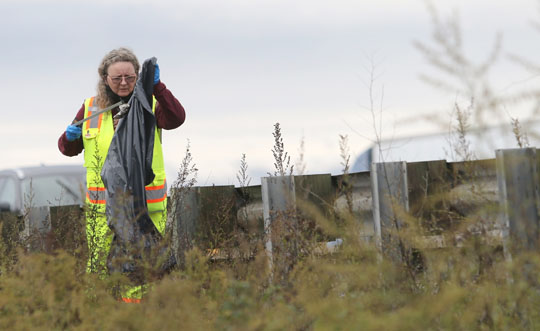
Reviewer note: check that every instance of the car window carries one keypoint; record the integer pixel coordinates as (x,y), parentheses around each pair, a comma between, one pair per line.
(52,190)
(8,191)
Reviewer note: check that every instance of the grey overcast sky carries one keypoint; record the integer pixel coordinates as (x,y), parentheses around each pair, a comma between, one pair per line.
(240,66)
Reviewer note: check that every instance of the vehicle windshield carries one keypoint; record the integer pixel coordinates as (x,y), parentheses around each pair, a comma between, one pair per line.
(8,191)
(52,190)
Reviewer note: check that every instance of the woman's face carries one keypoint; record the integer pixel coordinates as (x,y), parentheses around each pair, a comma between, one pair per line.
(121,78)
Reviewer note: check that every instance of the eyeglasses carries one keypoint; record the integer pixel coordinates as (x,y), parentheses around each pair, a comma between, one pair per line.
(118,79)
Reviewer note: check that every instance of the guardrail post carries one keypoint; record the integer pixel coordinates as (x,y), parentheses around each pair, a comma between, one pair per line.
(279,208)
(517,178)
(390,200)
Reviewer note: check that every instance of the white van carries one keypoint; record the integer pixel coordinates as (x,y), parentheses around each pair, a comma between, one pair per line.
(481,143)
(41,186)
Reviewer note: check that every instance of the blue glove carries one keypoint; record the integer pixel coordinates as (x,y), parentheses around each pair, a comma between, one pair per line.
(156,74)
(73,132)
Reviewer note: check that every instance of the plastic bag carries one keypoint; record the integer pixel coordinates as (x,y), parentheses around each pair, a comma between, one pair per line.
(136,248)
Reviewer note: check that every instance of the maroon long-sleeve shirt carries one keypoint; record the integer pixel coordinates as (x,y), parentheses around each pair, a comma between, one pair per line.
(169,115)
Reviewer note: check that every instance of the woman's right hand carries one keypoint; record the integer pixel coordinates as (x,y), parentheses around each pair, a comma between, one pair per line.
(73,132)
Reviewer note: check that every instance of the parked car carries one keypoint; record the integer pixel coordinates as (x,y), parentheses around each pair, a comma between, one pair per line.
(41,186)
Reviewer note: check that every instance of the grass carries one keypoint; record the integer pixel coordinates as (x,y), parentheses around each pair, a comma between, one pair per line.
(470,287)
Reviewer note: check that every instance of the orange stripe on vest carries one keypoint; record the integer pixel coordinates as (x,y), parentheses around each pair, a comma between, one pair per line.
(159,187)
(96,188)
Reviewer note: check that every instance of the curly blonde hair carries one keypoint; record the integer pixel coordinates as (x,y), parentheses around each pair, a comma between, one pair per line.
(105,96)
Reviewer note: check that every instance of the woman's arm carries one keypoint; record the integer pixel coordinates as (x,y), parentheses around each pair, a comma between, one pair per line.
(75,147)
(169,112)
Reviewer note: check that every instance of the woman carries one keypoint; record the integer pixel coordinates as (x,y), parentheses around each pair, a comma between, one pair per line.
(118,74)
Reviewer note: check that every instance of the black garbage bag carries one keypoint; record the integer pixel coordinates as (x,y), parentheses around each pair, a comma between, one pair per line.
(137,249)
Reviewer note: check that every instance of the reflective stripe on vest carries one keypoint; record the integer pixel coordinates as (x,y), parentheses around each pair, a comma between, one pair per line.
(156,193)
(153,193)
(97,135)
(96,195)
(96,121)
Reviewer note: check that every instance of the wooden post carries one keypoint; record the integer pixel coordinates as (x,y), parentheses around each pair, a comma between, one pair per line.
(278,195)
(517,178)
(389,194)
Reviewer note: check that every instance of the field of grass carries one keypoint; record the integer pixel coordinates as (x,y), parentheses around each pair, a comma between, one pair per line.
(466,288)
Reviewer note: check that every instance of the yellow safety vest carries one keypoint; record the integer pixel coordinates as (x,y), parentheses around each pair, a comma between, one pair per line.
(97,134)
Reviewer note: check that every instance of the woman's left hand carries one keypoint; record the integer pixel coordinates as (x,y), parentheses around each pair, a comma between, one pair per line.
(156,74)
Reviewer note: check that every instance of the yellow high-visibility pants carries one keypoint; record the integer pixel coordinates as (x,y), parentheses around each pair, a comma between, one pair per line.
(99,238)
